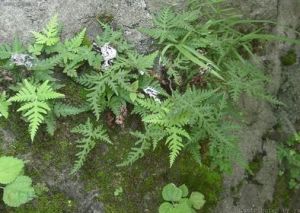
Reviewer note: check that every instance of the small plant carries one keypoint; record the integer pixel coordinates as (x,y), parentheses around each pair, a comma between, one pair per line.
(177,200)
(118,191)
(289,156)
(17,188)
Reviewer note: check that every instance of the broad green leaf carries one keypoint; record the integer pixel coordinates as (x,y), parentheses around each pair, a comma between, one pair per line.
(171,193)
(166,208)
(183,207)
(184,189)
(197,200)
(18,192)
(10,168)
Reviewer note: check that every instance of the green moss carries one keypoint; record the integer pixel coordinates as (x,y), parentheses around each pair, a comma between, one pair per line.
(73,91)
(289,58)
(255,165)
(282,195)
(47,203)
(142,182)
(198,178)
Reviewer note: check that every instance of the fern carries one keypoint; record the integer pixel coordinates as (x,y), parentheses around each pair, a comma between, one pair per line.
(91,136)
(101,84)
(245,77)
(170,26)
(4,104)
(58,110)
(114,37)
(161,114)
(73,54)
(138,151)
(6,51)
(48,37)
(35,107)
(150,138)
(138,62)
(63,110)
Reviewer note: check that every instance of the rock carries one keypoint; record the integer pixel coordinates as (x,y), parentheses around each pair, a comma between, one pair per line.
(20,17)
(261,117)
(257,9)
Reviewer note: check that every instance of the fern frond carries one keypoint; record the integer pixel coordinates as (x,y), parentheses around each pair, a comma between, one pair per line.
(245,77)
(137,152)
(75,42)
(63,110)
(99,85)
(50,122)
(114,37)
(139,62)
(91,137)
(49,35)
(6,51)
(175,141)
(4,104)
(35,105)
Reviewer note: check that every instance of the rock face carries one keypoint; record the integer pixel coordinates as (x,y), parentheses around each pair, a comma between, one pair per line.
(251,195)
(19,17)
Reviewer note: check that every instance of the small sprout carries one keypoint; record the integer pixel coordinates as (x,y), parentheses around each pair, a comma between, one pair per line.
(118,191)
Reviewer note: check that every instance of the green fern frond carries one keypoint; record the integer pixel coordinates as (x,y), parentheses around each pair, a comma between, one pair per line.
(138,151)
(49,35)
(72,54)
(139,62)
(50,122)
(99,86)
(75,42)
(35,105)
(175,141)
(7,50)
(113,37)
(245,77)
(63,110)
(91,136)
(4,104)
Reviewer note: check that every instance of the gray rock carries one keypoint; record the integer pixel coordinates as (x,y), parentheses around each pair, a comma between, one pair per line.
(261,117)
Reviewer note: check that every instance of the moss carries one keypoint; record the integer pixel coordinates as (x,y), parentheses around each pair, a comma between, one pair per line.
(47,203)
(74,92)
(289,58)
(255,165)
(282,195)
(198,178)
(142,182)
